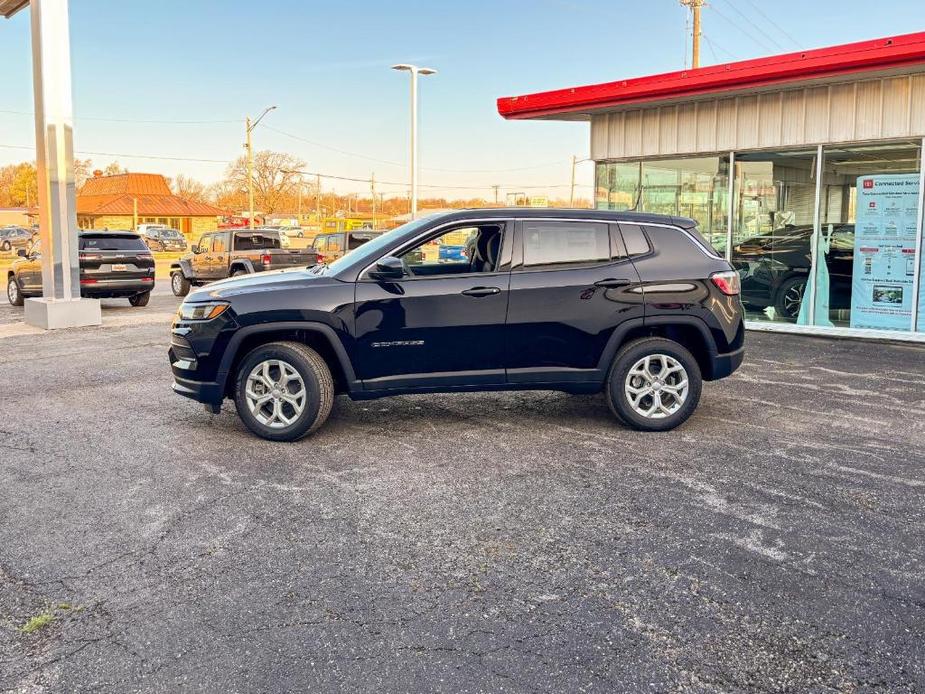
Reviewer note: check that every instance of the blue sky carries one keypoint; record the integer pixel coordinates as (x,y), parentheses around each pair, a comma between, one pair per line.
(326,66)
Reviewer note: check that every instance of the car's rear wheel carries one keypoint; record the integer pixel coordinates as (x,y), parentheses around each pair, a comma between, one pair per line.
(283,391)
(13,292)
(7,246)
(237,272)
(179,284)
(654,384)
(789,297)
(140,299)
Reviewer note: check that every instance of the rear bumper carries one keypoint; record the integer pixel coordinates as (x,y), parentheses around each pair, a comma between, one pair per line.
(725,364)
(102,288)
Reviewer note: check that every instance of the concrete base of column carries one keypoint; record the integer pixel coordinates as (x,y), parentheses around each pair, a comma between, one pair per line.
(52,314)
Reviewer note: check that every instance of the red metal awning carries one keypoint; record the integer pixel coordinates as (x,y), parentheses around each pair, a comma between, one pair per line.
(847,59)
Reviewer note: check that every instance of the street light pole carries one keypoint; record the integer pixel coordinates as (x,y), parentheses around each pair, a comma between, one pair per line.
(415,71)
(250,163)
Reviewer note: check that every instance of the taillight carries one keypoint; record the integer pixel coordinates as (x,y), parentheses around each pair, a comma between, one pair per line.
(266,259)
(727,282)
(319,257)
(88,280)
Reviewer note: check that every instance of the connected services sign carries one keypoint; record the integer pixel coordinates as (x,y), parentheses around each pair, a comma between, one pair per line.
(884,251)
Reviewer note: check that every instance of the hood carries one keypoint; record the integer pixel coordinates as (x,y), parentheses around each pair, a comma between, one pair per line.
(258,282)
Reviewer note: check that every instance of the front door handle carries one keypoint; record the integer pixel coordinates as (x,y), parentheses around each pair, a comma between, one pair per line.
(481,291)
(610,282)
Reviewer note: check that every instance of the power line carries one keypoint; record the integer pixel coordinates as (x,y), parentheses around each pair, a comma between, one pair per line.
(738,26)
(400,164)
(312,173)
(755,26)
(131,156)
(775,24)
(131,120)
(713,46)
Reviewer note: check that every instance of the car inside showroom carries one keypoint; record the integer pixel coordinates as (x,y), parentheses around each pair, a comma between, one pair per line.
(803,169)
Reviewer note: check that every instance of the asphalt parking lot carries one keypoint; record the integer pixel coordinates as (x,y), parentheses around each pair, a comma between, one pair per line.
(481,542)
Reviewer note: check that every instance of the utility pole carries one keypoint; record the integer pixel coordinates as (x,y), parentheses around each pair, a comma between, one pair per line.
(318,199)
(571,197)
(695,7)
(372,189)
(299,212)
(250,163)
(496,188)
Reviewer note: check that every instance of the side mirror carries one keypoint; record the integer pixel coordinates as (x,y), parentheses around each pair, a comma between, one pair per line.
(388,268)
(22,253)
(194,248)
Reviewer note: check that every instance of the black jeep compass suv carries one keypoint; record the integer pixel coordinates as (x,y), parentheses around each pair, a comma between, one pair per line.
(638,306)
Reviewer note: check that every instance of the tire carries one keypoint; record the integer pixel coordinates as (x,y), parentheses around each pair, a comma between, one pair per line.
(7,246)
(789,297)
(140,299)
(13,292)
(628,371)
(179,284)
(238,272)
(316,381)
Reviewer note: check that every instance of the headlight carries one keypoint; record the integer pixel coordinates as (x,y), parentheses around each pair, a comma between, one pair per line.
(206,311)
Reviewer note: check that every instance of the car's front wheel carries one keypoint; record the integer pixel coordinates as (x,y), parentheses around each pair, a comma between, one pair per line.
(283,391)
(179,284)
(654,384)
(13,292)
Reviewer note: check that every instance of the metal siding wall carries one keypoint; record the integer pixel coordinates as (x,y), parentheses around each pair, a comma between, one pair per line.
(870,109)
(726,111)
(770,107)
(895,119)
(841,112)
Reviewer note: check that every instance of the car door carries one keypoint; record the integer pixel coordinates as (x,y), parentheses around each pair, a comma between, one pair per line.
(219,255)
(200,260)
(572,284)
(30,272)
(441,324)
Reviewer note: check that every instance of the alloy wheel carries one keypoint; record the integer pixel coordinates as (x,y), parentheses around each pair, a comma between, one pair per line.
(12,291)
(275,393)
(175,283)
(793,297)
(656,386)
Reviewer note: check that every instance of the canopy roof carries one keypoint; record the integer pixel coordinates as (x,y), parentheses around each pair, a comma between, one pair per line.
(876,56)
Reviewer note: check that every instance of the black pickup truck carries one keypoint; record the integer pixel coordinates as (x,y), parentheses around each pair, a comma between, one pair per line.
(222,254)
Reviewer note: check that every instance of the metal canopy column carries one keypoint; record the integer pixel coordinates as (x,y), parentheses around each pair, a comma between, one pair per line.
(60,305)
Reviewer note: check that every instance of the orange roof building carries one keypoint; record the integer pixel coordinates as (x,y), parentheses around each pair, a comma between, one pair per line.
(109,202)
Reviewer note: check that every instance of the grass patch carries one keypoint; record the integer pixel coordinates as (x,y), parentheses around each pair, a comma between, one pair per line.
(37,622)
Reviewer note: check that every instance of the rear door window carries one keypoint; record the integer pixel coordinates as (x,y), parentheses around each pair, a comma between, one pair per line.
(219,243)
(551,244)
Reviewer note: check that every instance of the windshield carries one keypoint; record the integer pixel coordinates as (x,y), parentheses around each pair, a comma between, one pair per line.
(171,234)
(371,249)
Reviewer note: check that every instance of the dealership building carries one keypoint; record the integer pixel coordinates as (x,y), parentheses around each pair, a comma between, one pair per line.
(804,169)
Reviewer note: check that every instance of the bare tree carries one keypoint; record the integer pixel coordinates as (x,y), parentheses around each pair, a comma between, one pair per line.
(189,188)
(274,178)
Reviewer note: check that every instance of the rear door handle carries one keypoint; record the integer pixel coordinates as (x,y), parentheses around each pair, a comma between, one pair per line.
(481,291)
(612,283)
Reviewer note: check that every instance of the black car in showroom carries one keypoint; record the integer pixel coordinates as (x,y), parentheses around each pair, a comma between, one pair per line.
(774,268)
(637,306)
(113,264)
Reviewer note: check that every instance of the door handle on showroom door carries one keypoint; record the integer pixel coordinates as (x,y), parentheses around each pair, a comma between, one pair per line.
(612,283)
(481,291)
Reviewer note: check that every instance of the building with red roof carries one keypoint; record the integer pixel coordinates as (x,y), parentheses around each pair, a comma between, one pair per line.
(113,202)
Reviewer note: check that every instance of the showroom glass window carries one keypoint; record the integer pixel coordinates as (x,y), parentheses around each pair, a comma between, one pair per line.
(866,248)
(774,198)
(694,187)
